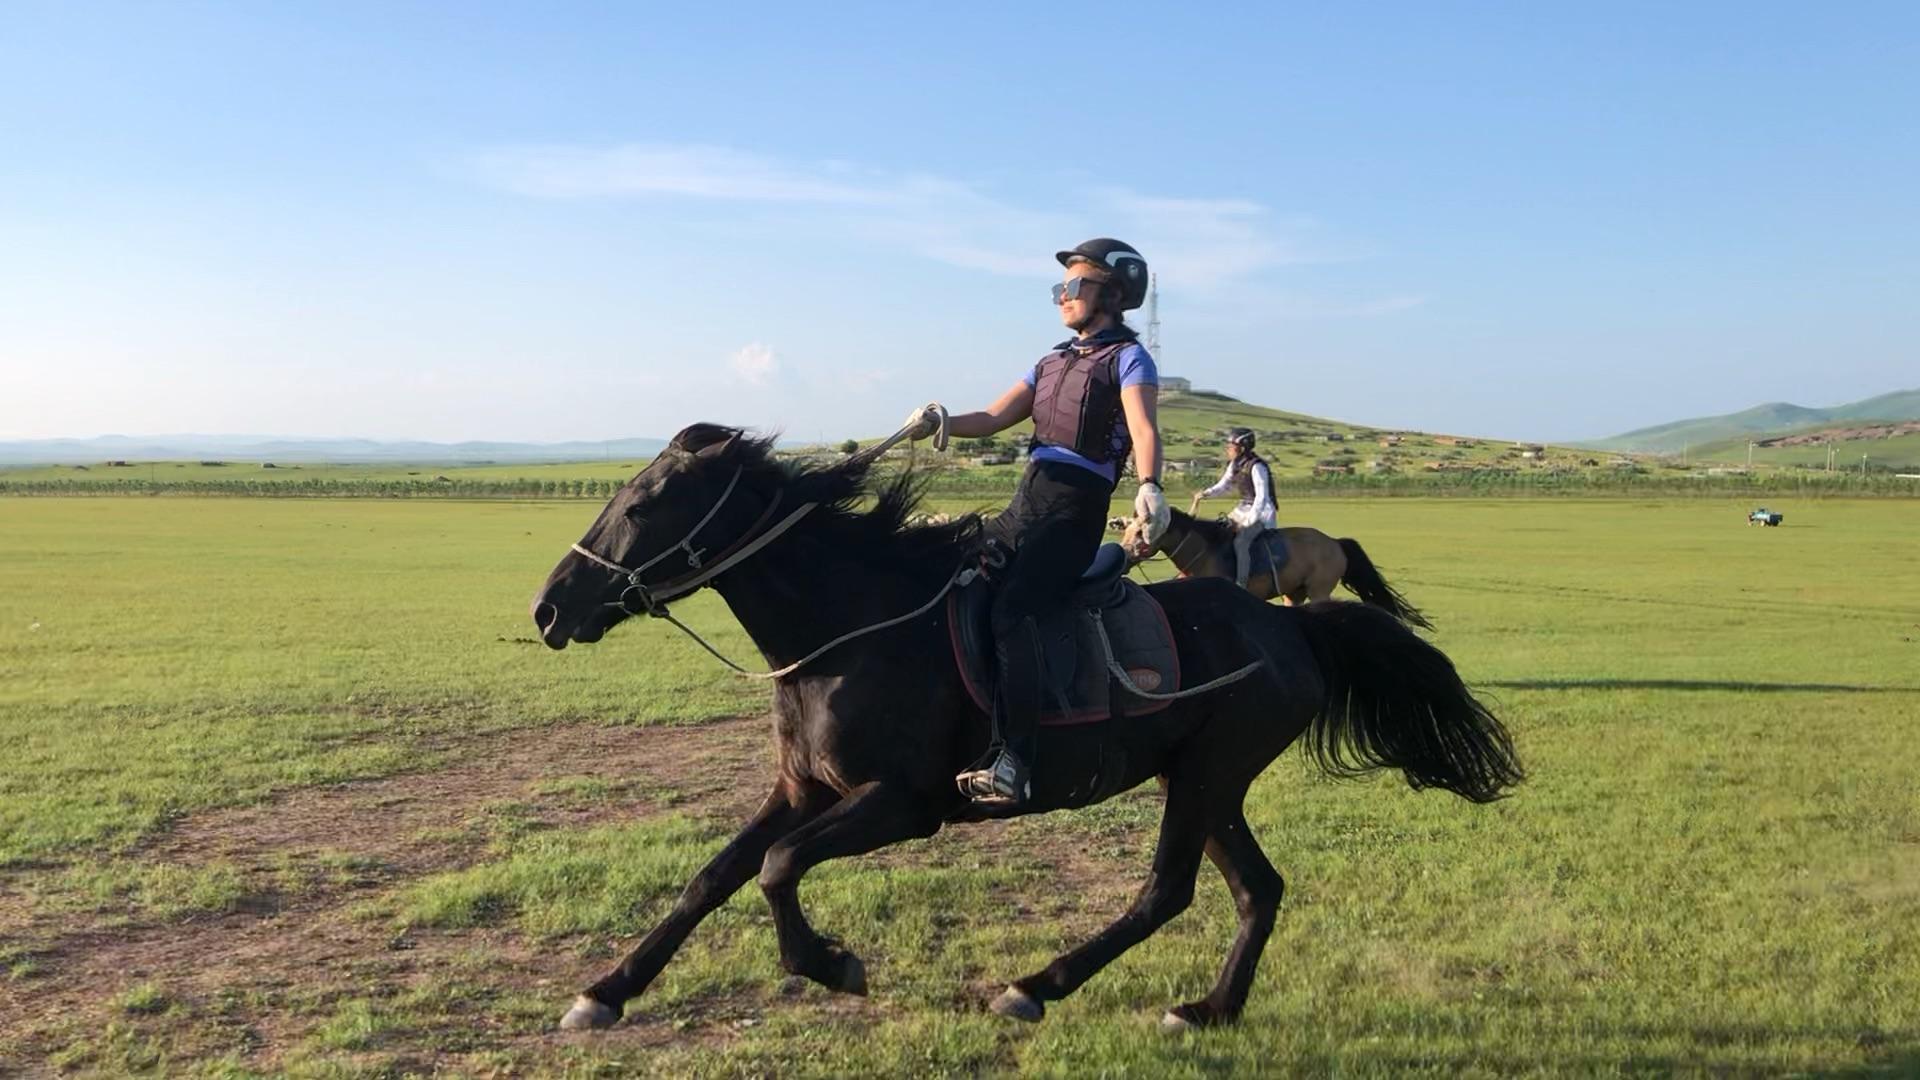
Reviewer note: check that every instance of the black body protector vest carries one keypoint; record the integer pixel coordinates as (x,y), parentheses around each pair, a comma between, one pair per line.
(1076,400)
(1243,474)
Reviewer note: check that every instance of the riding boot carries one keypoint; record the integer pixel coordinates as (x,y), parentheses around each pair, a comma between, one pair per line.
(1001,778)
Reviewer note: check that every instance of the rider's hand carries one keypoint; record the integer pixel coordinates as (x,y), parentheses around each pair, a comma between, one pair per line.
(1150,506)
(924,422)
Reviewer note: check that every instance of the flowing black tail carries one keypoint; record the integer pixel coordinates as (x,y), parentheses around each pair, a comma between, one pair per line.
(1368,585)
(1393,700)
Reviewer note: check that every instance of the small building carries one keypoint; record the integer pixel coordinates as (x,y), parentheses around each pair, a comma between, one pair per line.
(1174,384)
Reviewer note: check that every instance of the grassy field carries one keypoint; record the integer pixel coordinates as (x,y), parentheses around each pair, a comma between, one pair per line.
(256,472)
(288,789)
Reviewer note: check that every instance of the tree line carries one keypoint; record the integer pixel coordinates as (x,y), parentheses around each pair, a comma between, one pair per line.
(998,483)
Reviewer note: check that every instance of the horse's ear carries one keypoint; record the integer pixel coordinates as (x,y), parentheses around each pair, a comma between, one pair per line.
(712,450)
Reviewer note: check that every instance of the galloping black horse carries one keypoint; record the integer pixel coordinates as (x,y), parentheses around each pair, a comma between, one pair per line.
(871,733)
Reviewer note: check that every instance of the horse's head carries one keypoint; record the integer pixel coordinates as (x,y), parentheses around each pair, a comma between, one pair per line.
(1133,542)
(701,495)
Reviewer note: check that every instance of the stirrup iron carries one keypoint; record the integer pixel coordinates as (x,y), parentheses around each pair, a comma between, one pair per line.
(1005,782)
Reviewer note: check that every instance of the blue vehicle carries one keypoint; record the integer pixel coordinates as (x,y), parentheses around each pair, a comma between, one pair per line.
(1764,516)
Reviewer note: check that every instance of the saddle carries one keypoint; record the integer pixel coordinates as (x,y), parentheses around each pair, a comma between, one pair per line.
(1079,689)
(1267,556)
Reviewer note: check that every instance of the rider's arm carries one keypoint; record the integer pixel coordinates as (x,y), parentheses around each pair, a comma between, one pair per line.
(1013,406)
(1142,405)
(1262,491)
(1220,486)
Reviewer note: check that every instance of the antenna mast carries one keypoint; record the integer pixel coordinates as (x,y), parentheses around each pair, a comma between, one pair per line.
(1153,318)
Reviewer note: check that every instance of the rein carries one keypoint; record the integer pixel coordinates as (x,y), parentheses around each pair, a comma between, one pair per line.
(652,598)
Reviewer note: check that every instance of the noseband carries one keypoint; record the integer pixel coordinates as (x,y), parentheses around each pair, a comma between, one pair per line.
(652,599)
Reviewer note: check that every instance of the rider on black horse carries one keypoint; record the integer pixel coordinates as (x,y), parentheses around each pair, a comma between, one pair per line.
(1249,477)
(1092,400)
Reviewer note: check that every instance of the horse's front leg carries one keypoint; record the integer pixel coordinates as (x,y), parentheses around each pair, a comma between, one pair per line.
(870,817)
(787,808)
(1167,892)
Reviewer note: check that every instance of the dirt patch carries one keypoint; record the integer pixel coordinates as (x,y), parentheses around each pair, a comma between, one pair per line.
(261,978)
(310,854)
(719,767)
(1844,434)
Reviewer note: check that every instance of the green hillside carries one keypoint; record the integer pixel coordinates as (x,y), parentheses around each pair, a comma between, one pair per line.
(1897,453)
(1194,425)
(1773,418)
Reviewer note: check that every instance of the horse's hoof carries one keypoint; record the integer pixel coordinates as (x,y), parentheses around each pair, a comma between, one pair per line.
(853,976)
(1017,1004)
(588,1014)
(1172,1023)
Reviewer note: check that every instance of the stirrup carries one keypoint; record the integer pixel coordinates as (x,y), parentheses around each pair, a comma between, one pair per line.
(1003,783)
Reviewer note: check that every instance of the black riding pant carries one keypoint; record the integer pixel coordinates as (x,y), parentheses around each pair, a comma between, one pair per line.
(1053,528)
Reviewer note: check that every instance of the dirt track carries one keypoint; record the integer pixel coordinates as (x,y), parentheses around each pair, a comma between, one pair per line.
(297,927)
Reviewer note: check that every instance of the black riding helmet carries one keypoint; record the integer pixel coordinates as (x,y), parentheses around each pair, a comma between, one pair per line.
(1241,437)
(1127,267)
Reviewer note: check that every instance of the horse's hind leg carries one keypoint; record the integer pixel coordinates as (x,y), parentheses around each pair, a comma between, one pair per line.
(783,811)
(871,817)
(1256,888)
(1167,892)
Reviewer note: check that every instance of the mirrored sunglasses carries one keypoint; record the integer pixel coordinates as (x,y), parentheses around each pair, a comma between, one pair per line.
(1074,289)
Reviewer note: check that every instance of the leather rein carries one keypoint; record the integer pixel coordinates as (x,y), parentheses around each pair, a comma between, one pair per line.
(652,599)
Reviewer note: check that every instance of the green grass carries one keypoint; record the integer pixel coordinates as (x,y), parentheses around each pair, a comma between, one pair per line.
(1715,866)
(161,657)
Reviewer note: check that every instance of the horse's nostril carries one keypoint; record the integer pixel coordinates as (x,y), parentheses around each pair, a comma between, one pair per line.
(544,616)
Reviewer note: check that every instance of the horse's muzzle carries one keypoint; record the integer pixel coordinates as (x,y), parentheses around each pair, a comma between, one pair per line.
(546,619)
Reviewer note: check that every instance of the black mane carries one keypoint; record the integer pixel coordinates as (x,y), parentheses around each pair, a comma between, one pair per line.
(1211,531)
(860,511)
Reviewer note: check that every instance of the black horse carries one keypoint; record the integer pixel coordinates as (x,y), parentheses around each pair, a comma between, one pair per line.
(871,733)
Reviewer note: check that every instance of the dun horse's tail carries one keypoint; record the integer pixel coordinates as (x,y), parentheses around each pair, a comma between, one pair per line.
(1395,701)
(1368,585)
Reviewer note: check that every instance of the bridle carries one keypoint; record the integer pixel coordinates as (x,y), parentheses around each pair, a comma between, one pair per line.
(652,599)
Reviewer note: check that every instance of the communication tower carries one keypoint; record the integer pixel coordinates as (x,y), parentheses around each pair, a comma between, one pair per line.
(1153,320)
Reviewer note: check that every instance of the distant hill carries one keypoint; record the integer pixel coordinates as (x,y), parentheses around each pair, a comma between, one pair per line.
(311,451)
(1192,422)
(1772,419)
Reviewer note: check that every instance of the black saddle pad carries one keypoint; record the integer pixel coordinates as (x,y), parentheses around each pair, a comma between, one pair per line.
(1080,688)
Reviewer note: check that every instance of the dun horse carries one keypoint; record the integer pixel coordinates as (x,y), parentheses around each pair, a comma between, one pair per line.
(870,732)
(1310,563)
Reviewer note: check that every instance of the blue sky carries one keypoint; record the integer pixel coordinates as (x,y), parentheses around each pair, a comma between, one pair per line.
(548,222)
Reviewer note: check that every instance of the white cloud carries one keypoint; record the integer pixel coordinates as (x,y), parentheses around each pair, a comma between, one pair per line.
(1196,243)
(712,172)
(755,363)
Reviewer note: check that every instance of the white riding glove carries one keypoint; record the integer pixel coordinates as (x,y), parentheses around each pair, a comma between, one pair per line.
(1150,506)
(927,421)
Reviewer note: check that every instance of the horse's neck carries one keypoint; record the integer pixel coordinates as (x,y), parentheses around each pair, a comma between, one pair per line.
(1186,543)
(793,598)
